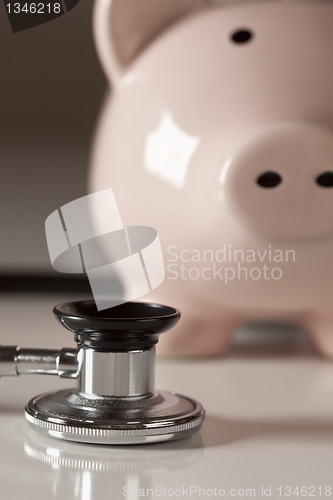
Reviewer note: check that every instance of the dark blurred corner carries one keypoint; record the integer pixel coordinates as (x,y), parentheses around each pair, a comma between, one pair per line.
(51,90)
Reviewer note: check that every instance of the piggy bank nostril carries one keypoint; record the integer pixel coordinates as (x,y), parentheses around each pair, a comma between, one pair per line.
(325,180)
(269,180)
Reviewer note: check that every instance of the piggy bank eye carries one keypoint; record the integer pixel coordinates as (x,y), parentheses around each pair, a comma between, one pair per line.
(242,36)
(325,180)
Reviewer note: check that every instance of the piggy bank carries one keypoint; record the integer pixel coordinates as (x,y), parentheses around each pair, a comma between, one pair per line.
(217,130)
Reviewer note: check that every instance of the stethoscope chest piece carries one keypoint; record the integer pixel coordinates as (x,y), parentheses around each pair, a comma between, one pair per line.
(115,401)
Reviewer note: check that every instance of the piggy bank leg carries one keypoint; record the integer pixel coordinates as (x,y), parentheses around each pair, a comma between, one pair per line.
(320,327)
(200,332)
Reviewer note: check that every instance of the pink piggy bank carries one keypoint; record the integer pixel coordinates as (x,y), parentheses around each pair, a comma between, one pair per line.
(218,132)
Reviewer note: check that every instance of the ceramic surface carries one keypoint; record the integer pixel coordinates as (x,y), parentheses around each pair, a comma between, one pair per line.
(218,132)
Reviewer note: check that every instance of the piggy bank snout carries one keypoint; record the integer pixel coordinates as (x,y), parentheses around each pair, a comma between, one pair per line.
(278,182)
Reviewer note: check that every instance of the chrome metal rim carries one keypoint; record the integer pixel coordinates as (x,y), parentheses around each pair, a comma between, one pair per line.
(55,415)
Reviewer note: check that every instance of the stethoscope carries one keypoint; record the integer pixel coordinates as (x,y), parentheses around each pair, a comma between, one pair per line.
(115,401)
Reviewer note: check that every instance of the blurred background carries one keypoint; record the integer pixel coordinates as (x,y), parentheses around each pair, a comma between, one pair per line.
(51,91)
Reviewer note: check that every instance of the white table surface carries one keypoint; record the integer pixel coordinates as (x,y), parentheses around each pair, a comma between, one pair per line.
(269,423)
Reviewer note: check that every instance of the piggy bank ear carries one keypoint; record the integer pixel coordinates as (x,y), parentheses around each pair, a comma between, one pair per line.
(123,28)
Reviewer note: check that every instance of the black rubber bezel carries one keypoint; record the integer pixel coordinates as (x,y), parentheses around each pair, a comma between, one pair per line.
(129,326)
